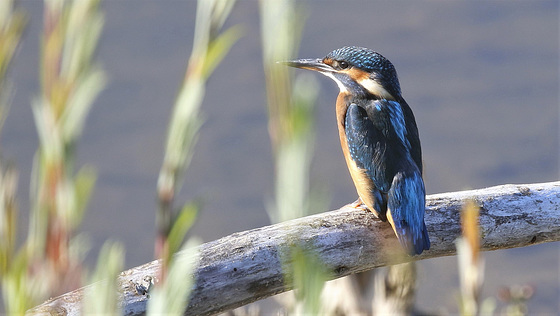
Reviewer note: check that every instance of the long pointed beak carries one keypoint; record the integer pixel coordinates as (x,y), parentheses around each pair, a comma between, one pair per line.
(311,64)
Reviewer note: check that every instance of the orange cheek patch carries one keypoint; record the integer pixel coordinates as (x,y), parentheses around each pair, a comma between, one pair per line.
(328,61)
(357,74)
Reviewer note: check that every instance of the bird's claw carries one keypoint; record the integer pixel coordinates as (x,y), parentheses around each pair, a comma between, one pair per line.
(358,205)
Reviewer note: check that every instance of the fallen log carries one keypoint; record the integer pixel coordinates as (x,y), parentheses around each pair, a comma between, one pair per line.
(247,266)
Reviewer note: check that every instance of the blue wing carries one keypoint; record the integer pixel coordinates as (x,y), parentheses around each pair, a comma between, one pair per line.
(412,134)
(379,142)
(364,145)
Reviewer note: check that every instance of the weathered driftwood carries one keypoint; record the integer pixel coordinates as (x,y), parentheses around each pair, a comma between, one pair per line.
(246,266)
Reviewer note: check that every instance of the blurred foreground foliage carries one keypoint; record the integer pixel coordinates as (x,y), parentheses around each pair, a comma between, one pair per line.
(210,46)
(50,260)
(291,127)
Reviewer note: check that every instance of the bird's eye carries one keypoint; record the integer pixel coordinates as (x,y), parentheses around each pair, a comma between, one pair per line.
(343,64)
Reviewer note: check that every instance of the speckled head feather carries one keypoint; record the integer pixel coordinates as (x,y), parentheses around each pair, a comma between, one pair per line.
(368,60)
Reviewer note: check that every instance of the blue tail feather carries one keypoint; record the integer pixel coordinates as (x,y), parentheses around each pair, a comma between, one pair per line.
(406,203)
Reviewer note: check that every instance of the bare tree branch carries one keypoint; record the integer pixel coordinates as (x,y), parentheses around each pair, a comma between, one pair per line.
(247,266)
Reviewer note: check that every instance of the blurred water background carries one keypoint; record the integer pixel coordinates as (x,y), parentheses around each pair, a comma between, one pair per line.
(481,77)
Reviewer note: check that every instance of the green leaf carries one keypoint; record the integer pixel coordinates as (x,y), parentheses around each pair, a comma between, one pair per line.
(101,296)
(171,297)
(84,184)
(309,276)
(184,221)
(80,102)
(219,48)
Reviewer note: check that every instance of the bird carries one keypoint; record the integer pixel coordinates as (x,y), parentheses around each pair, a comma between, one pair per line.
(379,139)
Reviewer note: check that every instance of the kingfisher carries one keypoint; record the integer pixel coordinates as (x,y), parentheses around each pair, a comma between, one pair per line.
(379,140)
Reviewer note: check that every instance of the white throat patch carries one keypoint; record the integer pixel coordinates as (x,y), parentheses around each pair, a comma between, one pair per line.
(338,82)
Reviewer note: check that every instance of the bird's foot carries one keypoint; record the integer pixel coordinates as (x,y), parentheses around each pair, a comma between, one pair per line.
(359,205)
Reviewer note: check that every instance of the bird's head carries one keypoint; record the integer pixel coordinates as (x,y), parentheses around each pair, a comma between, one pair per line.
(356,70)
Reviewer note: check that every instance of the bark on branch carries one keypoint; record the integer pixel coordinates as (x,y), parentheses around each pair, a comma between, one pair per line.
(247,266)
